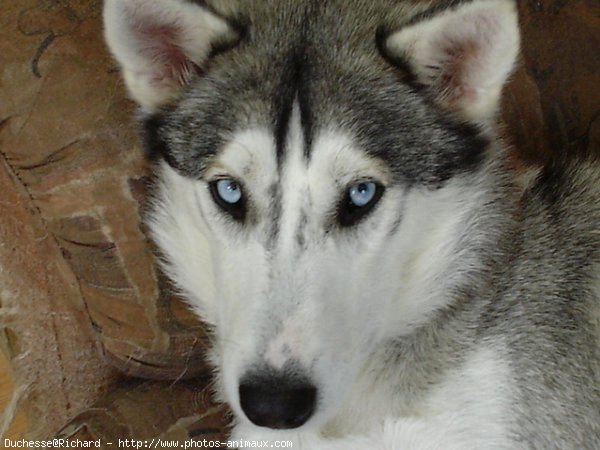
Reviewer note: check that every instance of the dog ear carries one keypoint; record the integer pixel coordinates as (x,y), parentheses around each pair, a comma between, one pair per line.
(161,43)
(462,55)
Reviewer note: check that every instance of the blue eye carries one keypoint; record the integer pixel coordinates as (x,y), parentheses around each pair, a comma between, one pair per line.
(227,194)
(229,191)
(358,201)
(362,193)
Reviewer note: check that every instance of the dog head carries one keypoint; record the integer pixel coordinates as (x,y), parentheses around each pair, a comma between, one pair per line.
(316,178)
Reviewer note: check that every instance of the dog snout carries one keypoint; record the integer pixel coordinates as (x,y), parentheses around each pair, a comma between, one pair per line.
(277,402)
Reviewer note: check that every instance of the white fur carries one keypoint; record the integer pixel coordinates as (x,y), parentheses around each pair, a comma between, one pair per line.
(464,55)
(468,410)
(372,285)
(146,56)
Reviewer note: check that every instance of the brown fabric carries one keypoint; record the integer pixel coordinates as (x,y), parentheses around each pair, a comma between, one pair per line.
(138,411)
(69,136)
(46,332)
(552,105)
(77,276)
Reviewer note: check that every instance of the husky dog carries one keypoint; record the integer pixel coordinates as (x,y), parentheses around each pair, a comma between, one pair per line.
(334,200)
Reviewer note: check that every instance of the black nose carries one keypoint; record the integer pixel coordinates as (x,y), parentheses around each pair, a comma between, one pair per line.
(277,402)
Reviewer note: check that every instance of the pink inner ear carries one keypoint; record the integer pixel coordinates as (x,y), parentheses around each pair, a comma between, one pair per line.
(458,59)
(463,57)
(159,43)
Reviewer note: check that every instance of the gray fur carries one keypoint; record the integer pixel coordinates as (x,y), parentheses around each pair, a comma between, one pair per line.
(537,289)
(339,78)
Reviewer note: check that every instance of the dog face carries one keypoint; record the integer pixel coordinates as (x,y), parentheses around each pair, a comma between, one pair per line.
(314,178)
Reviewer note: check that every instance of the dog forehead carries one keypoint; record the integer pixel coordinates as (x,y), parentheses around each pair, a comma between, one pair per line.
(349,87)
(336,158)
(218,109)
